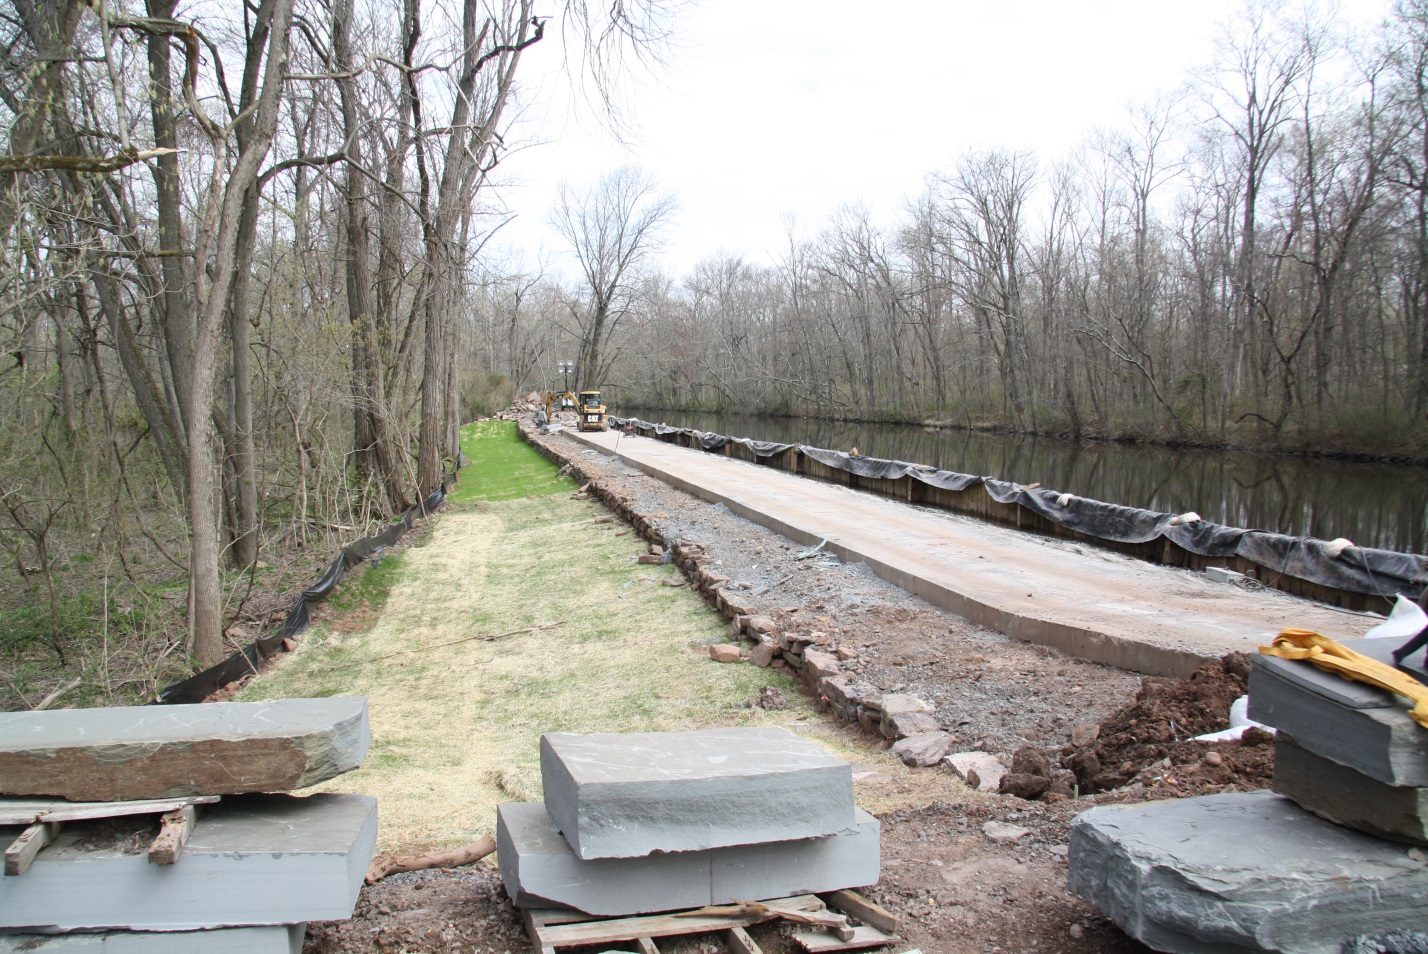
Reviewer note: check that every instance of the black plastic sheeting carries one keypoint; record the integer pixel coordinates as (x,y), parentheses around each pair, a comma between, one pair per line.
(1384,573)
(254,657)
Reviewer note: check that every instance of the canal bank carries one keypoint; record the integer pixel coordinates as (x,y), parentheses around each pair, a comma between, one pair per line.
(1090,603)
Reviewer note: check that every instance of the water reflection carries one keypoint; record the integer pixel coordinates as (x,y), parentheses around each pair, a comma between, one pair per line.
(1375,505)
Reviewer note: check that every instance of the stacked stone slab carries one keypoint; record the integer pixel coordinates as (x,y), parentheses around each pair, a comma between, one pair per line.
(1345,751)
(641,822)
(255,867)
(1324,860)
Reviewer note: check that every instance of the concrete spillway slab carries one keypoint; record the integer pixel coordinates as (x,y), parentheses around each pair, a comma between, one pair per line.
(223,748)
(627,795)
(1248,871)
(1087,602)
(282,939)
(1337,720)
(251,860)
(540,870)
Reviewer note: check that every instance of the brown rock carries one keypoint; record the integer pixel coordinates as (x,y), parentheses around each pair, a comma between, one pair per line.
(846,653)
(737,606)
(1029,760)
(1086,766)
(1024,786)
(904,724)
(605,518)
(649,558)
(762,655)
(724,653)
(673,582)
(763,624)
(821,665)
(923,749)
(1084,735)
(656,550)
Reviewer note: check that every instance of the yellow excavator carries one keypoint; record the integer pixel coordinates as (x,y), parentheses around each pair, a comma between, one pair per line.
(587,407)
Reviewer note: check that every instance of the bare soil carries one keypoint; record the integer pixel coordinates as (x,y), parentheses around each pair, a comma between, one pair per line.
(954,887)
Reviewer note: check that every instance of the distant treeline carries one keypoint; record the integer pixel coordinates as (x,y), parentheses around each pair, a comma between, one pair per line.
(1244,261)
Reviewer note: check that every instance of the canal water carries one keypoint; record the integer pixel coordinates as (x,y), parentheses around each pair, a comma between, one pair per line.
(1372,504)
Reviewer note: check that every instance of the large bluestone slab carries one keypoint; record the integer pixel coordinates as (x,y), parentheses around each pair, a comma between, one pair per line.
(540,869)
(1349,797)
(1245,871)
(280,939)
(628,795)
(1364,728)
(251,860)
(223,748)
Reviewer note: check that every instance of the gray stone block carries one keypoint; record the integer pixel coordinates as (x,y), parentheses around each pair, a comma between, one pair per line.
(224,748)
(281,939)
(1382,742)
(540,869)
(628,795)
(1349,797)
(1247,871)
(251,860)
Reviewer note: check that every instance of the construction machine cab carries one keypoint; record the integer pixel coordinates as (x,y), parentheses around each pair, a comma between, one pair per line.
(592,412)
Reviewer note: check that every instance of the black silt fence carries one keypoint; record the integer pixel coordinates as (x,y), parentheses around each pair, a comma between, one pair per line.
(254,657)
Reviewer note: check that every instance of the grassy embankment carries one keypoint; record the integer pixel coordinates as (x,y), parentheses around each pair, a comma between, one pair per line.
(456,727)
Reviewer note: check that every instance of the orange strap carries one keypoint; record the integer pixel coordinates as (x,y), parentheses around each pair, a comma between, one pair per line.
(1356,667)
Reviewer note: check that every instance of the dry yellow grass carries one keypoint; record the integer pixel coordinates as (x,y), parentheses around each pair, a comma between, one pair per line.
(456,728)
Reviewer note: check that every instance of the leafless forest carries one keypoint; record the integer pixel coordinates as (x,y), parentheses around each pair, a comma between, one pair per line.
(250,292)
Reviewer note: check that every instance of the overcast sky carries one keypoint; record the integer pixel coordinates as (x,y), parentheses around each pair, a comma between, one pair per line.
(771,109)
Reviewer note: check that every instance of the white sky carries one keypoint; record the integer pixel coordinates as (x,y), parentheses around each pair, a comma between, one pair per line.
(775,108)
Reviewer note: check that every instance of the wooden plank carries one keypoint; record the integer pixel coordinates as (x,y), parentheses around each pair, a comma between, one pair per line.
(863,937)
(173,835)
(659,925)
(646,945)
(739,942)
(545,916)
(850,902)
(22,850)
(26,811)
(533,931)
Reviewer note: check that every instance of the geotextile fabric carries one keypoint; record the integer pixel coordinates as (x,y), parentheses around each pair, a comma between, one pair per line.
(254,657)
(1384,573)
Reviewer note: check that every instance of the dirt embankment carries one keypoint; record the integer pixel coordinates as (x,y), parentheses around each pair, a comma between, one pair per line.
(968,871)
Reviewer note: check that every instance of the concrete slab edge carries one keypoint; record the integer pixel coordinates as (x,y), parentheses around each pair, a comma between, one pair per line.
(1074,640)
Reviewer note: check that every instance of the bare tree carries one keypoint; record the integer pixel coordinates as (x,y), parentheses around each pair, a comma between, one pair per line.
(613,229)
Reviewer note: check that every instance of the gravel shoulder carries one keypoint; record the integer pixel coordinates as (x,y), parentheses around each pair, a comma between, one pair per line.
(960,883)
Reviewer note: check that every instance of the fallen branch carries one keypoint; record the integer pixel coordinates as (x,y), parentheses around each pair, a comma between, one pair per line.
(449,642)
(837,923)
(45,702)
(384,865)
(772,586)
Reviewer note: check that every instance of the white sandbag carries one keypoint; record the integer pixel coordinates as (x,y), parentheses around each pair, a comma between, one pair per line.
(1407,619)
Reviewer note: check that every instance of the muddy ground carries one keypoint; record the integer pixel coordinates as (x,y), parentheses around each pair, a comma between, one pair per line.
(955,888)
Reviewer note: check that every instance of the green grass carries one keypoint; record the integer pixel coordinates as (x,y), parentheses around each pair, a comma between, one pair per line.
(503,466)
(368,586)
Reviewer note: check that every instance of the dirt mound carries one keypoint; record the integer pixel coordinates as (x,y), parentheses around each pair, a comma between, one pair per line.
(1148,741)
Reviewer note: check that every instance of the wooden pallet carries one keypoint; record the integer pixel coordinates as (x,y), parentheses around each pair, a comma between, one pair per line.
(550,930)
(43,818)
